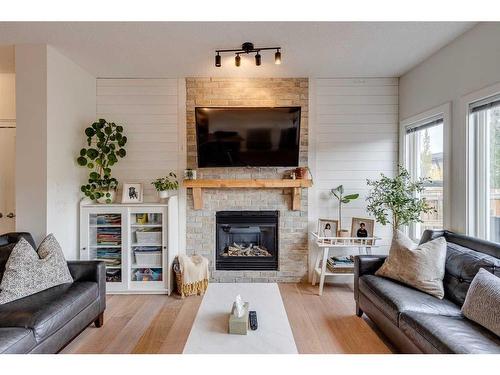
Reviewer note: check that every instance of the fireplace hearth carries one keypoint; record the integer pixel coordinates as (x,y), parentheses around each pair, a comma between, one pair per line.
(247,240)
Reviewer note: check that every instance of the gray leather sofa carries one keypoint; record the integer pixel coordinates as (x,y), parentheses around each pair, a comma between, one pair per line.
(416,322)
(47,321)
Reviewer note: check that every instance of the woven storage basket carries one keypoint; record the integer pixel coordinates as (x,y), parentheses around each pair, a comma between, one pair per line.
(179,281)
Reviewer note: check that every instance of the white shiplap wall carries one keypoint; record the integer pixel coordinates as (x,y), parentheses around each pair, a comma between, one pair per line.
(149,111)
(354,137)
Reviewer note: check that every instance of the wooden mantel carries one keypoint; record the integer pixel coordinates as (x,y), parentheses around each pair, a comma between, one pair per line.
(295,185)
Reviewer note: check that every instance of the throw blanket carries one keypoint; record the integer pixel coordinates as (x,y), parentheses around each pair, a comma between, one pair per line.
(195,274)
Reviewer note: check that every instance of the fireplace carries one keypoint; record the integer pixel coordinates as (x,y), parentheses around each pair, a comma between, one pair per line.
(246,240)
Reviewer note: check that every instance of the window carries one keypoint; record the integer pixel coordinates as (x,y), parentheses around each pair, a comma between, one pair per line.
(484,151)
(424,159)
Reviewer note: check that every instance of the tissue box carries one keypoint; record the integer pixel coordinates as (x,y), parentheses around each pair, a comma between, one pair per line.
(239,326)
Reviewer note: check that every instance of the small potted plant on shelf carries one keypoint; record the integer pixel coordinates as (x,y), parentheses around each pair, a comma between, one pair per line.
(164,184)
(106,143)
(396,200)
(338,193)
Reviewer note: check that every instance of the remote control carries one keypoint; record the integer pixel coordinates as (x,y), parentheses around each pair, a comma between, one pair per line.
(252,315)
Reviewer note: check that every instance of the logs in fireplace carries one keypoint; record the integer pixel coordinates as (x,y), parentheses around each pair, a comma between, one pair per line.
(247,240)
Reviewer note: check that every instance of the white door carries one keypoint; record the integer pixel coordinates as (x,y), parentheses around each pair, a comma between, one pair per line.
(7,188)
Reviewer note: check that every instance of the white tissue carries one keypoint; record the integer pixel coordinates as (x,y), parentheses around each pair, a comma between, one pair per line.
(239,306)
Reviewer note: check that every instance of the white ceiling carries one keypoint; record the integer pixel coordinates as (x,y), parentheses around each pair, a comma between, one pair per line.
(177,49)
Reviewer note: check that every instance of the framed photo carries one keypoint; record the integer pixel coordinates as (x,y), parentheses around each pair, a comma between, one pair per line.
(362,228)
(328,227)
(132,193)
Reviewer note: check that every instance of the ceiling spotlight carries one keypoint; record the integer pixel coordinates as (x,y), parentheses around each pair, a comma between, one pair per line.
(277,57)
(247,48)
(258,59)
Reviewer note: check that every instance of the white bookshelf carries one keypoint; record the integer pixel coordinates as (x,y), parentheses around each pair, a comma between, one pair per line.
(108,232)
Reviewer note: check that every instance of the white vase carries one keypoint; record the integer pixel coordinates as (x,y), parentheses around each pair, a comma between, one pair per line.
(163,194)
(103,199)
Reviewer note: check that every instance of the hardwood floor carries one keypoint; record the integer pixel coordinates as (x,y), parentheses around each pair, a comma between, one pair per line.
(161,324)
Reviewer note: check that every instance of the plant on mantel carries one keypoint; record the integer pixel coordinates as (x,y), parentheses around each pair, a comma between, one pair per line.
(164,184)
(106,144)
(338,193)
(396,200)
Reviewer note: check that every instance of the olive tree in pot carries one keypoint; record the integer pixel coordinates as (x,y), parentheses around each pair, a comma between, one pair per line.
(396,200)
(164,184)
(106,143)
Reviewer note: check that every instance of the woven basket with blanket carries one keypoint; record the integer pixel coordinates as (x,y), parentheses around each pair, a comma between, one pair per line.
(191,275)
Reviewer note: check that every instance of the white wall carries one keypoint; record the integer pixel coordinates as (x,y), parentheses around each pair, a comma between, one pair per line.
(152,112)
(71,107)
(469,63)
(7,98)
(31,139)
(353,136)
(55,101)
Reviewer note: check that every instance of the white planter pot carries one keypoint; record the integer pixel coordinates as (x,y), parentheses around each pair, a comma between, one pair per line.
(103,200)
(164,194)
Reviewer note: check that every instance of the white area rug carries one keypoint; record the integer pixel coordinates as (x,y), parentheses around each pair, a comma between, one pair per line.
(209,334)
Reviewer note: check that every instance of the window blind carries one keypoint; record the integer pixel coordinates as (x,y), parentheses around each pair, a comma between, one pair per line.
(424,125)
(488,103)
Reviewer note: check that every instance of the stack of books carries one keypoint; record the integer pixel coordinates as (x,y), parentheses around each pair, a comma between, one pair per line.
(112,257)
(109,219)
(109,236)
(340,264)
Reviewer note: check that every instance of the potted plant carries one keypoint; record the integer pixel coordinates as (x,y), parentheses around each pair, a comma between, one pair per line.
(338,193)
(106,143)
(164,184)
(395,200)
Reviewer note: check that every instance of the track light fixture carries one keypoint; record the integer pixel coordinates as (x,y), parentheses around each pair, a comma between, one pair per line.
(277,57)
(247,48)
(258,59)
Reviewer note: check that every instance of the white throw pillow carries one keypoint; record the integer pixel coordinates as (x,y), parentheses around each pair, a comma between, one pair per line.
(419,266)
(29,271)
(482,302)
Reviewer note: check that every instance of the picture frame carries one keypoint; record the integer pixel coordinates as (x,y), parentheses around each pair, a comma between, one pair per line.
(362,228)
(328,227)
(132,193)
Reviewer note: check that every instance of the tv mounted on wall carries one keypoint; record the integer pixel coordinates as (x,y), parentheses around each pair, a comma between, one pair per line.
(248,136)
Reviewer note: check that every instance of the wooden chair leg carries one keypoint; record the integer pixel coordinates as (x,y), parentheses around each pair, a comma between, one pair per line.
(99,320)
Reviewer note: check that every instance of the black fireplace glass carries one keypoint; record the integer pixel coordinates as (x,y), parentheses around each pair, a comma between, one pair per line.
(247,240)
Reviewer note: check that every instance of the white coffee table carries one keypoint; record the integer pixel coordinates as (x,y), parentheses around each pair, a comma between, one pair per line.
(209,334)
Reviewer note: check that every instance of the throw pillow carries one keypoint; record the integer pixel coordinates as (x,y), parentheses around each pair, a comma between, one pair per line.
(421,267)
(5,251)
(28,272)
(482,302)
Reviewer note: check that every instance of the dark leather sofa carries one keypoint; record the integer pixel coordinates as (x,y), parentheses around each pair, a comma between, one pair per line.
(47,321)
(416,322)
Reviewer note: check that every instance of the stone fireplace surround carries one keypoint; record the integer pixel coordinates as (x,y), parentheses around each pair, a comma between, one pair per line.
(201,224)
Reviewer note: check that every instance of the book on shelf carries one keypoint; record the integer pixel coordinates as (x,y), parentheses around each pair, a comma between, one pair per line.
(111,257)
(340,264)
(109,236)
(109,219)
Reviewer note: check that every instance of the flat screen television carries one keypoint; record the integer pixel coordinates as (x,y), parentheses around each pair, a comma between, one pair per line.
(248,136)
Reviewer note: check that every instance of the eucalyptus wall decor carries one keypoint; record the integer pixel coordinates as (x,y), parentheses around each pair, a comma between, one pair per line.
(106,145)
